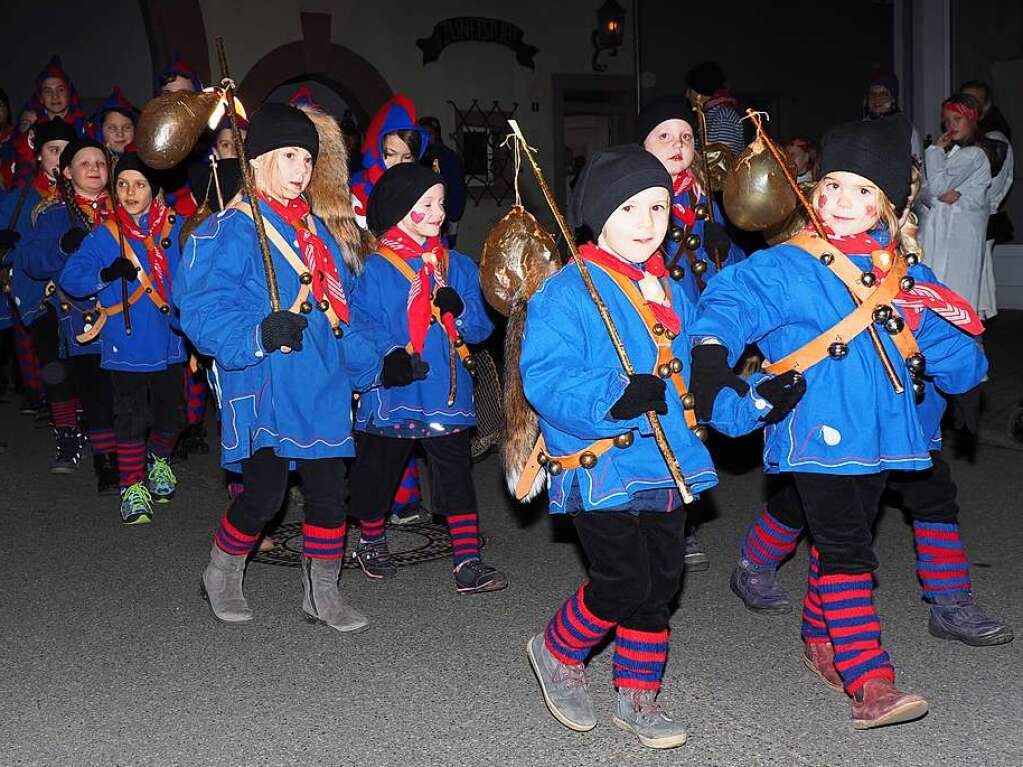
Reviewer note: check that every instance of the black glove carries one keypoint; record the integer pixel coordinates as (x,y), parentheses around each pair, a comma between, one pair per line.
(121,267)
(645,392)
(716,240)
(710,375)
(402,368)
(71,240)
(9,238)
(783,392)
(282,328)
(448,301)
(966,410)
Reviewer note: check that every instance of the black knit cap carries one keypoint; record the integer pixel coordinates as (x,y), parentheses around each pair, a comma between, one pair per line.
(878,150)
(706,78)
(131,161)
(664,108)
(76,145)
(610,177)
(51,130)
(396,192)
(279,125)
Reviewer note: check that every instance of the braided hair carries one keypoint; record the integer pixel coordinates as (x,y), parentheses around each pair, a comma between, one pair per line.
(66,192)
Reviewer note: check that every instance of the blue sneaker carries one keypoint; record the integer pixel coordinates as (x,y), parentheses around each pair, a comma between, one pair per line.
(161,480)
(136,505)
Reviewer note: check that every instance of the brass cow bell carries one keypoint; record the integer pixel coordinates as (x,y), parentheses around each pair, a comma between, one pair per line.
(756,194)
(518,254)
(170,125)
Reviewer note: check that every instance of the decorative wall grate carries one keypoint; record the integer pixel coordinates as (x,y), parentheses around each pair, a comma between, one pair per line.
(478,135)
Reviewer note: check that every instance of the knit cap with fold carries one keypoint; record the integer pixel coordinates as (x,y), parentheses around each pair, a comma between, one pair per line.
(878,150)
(610,177)
(395,194)
(660,109)
(131,161)
(75,146)
(276,126)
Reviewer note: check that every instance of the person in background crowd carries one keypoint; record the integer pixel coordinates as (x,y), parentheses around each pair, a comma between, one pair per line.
(113,125)
(803,156)
(954,227)
(705,87)
(996,140)
(882,100)
(451,169)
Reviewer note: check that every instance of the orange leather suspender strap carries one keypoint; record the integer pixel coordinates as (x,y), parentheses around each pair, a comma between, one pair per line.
(857,321)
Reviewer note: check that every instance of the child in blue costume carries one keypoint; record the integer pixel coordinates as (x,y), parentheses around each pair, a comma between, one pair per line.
(146,366)
(863,358)
(604,467)
(696,248)
(114,123)
(417,305)
(280,376)
(19,208)
(71,369)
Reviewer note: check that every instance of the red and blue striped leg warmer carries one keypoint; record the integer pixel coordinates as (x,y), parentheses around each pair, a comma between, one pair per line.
(941,562)
(465,537)
(574,631)
(28,363)
(65,413)
(231,540)
(195,395)
(102,441)
(372,530)
(161,443)
(131,462)
(814,627)
(855,629)
(235,488)
(324,542)
(408,495)
(639,658)
(768,541)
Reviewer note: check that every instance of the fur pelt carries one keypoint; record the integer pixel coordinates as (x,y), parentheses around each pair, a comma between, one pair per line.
(522,424)
(329,194)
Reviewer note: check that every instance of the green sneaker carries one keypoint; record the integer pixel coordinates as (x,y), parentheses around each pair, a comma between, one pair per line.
(136,505)
(161,480)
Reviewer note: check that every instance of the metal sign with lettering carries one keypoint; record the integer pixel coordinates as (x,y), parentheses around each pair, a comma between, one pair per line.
(464,29)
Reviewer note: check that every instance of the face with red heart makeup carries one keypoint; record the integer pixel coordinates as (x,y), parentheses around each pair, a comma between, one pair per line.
(426,217)
(847,203)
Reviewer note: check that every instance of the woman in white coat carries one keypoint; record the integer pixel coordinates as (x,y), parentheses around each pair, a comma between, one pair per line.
(954,229)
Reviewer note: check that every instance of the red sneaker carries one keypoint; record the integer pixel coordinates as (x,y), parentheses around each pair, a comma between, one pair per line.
(879,703)
(819,657)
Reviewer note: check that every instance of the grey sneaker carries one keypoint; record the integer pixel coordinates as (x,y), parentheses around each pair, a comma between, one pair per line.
(758,588)
(564,687)
(475,577)
(957,616)
(375,560)
(407,515)
(638,712)
(696,559)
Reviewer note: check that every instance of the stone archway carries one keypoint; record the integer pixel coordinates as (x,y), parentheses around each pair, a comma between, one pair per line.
(315,57)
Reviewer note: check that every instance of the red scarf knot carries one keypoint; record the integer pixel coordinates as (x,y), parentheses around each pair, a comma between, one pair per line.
(150,238)
(326,280)
(682,184)
(418,306)
(654,266)
(97,210)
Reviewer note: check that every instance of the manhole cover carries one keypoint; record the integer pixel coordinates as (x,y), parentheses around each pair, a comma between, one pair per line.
(410,544)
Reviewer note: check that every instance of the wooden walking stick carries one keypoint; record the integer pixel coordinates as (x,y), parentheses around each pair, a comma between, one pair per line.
(112,184)
(623,357)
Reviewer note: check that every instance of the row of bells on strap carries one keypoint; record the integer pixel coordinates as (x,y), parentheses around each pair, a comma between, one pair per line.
(669,368)
(660,330)
(587,460)
(323,304)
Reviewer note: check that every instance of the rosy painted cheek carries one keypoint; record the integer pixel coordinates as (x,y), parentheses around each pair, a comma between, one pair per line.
(822,202)
(417,217)
(871,211)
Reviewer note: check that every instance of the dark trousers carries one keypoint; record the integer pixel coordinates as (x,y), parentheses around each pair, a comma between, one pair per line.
(840,512)
(380,462)
(927,496)
(635,565)
(266,481)
(95,391)
(144,400)
(56,375)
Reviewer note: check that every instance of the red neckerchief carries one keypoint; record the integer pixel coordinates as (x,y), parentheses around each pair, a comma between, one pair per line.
(941,300)
(326,280)
(45,185)
(679,207)
(418,306)
(150,238)
(97,210)
(654,265)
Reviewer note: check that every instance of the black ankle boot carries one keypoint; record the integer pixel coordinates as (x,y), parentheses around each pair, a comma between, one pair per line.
(107,473)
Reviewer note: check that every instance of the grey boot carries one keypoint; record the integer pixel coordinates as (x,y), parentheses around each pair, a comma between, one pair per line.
(956,616)
(221,586)
(563,687)
(638,712)
(323,603)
